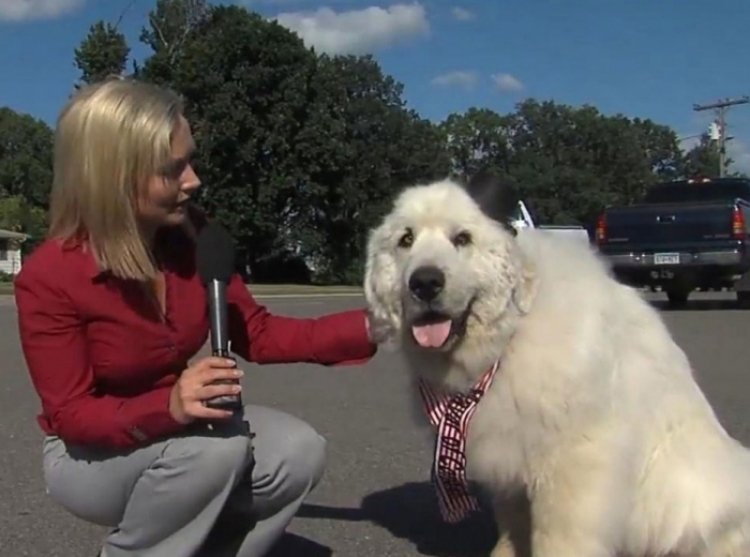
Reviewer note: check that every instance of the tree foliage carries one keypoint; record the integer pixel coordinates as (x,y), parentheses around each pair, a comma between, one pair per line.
(103,52)
(19,215)
(25,157)
(703,159)
(361,146)
(300,153)
(245,82)
(567,162)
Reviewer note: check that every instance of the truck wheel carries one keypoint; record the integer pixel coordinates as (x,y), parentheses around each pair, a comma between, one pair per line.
(677,297)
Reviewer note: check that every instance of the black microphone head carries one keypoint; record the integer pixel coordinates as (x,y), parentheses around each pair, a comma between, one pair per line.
(214,253)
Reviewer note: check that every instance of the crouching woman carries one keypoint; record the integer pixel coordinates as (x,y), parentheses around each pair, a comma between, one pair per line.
(111,313)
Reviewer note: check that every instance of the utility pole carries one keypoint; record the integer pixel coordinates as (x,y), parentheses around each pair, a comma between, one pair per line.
(721,107)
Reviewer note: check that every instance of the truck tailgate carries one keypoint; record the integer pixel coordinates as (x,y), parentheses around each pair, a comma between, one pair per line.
(669,225)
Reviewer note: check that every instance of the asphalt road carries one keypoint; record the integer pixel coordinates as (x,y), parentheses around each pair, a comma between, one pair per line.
(374,499)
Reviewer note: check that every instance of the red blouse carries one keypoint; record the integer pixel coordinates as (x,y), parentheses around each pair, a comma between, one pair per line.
(103,361)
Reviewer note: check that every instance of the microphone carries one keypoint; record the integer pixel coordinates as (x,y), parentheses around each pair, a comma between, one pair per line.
(215,263)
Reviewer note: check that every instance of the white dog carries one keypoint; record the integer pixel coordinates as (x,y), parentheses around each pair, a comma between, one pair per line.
(593,420)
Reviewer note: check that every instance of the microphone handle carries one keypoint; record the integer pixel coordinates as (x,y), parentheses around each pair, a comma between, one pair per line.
(217,318)
(219,331)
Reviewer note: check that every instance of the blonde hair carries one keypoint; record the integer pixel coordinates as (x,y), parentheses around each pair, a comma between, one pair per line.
(111,138)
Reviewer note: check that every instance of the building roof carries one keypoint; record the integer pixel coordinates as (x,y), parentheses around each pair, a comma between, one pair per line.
(10,235)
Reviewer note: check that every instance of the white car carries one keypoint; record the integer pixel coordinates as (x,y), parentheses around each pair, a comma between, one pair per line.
(522,219)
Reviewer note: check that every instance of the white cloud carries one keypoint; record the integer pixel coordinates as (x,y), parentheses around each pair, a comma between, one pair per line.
(462,14)
(464,79)
(24,10)
(358,31)
(506,83)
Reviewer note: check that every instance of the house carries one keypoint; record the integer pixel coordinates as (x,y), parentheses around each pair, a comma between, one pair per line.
(10,251)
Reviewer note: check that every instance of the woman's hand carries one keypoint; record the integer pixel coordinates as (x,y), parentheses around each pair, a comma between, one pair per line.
(194,386)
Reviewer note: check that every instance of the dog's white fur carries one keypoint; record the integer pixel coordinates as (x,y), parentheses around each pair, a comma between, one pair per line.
(594,415)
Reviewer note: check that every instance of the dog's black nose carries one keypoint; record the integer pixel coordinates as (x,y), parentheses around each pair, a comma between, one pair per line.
(426,283)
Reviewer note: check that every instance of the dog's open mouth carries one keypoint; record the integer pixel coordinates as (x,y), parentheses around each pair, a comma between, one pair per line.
(435,330)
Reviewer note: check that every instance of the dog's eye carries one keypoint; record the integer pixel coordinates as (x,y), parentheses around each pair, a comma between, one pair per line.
(407,239)
(461,239)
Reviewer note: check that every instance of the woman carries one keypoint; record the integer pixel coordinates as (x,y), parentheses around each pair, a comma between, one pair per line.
(110,312)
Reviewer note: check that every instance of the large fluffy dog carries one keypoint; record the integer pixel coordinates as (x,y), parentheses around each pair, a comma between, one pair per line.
(594,420)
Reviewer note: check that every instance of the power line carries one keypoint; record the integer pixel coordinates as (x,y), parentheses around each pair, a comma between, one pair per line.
(721,107)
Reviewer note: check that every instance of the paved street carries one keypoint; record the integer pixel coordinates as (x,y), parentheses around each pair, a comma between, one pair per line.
(374,499)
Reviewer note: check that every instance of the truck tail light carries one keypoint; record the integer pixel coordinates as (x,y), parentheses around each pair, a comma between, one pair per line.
(601,229)
(738,224)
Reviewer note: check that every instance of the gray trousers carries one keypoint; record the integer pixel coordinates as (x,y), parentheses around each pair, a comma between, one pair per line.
(192,495)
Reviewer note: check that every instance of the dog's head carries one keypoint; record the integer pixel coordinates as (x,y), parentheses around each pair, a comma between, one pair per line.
(445,261)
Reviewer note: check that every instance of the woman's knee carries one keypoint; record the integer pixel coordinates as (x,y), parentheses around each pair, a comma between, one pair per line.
(302,458)
(308,457)
(208,462)
(290,455)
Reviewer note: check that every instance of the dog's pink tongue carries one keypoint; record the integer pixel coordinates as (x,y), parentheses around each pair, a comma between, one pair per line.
(433,335)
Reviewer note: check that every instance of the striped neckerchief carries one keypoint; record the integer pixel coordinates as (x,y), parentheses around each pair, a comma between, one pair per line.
(450,414)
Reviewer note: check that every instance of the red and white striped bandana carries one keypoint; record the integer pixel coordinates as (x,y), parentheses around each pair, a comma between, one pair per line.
(450,414)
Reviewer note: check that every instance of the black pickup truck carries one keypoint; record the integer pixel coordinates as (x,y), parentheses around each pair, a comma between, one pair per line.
(683,235)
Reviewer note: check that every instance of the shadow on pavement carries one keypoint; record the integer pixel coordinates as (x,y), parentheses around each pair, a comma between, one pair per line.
(291,545)
(226,539)
(410,512)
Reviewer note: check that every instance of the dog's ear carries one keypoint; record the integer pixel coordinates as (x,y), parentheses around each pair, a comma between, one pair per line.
(496,197)
(382,288)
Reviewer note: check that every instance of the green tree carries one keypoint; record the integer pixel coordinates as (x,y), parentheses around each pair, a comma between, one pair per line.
(302,153)
(18,215)
(661,146)
(703,159)
(478,138)
(104,51)
(360,146)
(171,25)
(567,162)
(245,82)
(25,157)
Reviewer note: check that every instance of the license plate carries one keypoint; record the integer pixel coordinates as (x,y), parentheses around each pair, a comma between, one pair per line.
(667,259)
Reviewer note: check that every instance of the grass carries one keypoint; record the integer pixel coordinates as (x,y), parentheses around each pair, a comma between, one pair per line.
(6,288)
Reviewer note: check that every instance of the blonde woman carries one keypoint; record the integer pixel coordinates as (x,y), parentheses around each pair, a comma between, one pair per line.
(111,312)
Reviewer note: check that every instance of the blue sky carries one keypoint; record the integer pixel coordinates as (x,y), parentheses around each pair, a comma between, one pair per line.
(644,58)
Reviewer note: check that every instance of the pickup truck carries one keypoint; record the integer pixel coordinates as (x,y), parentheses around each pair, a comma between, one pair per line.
(683,235)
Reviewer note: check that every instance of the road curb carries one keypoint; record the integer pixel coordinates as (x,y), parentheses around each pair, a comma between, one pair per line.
(9,298)
(308,295)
